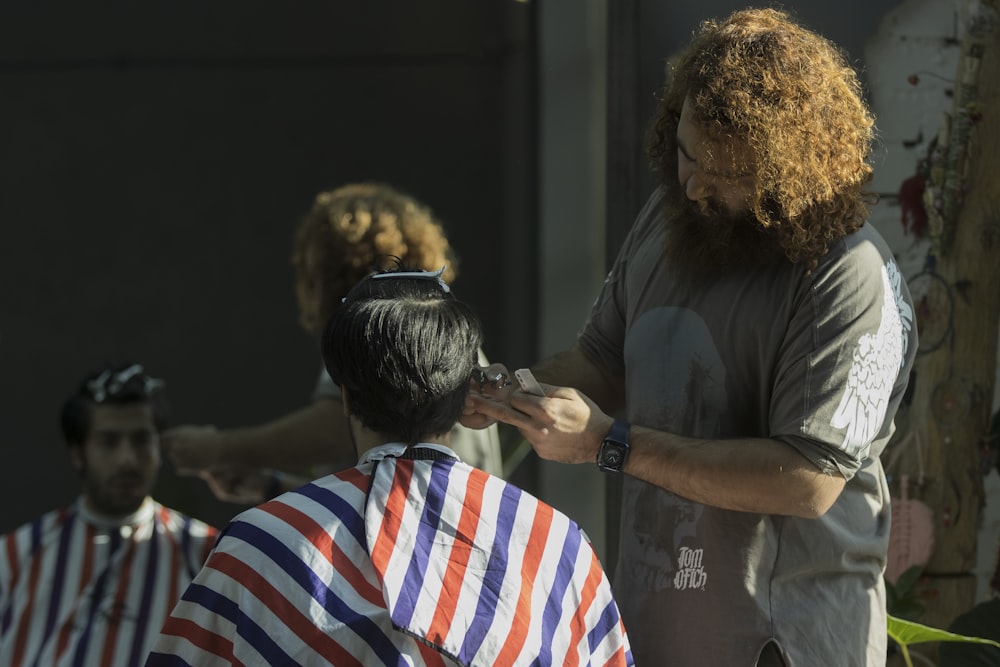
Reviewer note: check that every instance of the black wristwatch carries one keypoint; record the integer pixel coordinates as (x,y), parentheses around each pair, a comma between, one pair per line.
(614,450)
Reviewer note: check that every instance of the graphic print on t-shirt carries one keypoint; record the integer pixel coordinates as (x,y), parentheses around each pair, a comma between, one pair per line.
(875,367)
(680,387)
(663,531)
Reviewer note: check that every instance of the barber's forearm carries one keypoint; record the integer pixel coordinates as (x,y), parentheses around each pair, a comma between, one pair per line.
(312,435)
(574,368)
(758,475)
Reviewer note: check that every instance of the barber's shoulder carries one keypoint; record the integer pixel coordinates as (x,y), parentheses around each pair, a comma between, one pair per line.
(654,206)
(864,251)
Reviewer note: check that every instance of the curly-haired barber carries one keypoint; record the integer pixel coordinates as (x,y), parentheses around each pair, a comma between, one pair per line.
(754,339)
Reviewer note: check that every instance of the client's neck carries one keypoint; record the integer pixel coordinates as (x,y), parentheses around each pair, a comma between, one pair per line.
(364,439)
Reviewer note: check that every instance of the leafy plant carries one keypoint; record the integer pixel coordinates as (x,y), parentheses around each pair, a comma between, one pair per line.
(905,633)
(903,599)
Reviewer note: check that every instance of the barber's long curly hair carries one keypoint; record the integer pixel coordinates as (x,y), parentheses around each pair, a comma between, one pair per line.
(789,94)
(357,229)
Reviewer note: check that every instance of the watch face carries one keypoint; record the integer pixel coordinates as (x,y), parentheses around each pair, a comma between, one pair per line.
(614,449)
(613,456)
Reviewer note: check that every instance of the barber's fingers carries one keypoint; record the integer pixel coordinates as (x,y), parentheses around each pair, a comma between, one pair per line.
(236,484)
(499,410)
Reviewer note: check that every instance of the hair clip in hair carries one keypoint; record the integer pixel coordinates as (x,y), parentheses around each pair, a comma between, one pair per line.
(110,384)
(420,275)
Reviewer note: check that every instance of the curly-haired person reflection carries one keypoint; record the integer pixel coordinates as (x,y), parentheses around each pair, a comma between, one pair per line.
(349,232)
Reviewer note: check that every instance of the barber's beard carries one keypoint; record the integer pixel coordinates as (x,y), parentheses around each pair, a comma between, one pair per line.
(705,241)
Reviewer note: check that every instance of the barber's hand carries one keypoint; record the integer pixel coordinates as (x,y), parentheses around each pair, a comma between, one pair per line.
(236,484)
(493,381)
(564,425)
(192,448)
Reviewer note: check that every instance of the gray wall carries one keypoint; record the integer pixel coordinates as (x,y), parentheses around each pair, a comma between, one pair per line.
(572,120)
(156,157)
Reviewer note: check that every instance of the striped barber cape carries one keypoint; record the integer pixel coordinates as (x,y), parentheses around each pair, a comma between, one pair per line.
(399,562)
(486,572)
(85,591)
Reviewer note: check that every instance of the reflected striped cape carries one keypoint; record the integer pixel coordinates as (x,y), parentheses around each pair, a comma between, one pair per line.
(78,590)
(395,562)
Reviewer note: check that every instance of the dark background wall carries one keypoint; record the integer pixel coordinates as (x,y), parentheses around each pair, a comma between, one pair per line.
(156,157)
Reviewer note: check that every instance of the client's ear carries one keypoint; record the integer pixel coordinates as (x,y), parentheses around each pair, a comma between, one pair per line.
(346,400)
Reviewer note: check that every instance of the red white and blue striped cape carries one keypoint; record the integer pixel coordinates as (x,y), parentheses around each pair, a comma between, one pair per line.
(77,590)
(398,562)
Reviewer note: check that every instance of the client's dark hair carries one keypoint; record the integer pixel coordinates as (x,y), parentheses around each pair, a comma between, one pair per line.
(115,384)
(403,348)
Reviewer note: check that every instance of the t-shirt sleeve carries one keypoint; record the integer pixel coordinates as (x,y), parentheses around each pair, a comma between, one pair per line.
(845,361)
(603,333)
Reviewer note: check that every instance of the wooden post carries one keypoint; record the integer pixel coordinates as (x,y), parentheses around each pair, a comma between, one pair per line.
(954,383)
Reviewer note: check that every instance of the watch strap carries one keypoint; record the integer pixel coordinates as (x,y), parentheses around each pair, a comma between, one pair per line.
(619,431)
(613,452)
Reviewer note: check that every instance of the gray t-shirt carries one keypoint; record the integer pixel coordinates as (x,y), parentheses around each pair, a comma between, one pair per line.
(477,447)
(819,361)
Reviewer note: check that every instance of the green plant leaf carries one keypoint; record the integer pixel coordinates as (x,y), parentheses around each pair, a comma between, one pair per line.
(905,633)
(908,610)
(908,579)
(903,599)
